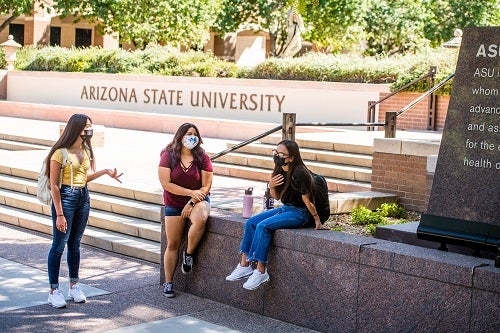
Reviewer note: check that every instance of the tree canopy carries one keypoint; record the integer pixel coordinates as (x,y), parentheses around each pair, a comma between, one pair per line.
(180,22)
(369,26)
(13,9)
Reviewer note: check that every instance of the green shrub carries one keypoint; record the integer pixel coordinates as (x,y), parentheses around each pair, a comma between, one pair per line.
(392,210)
(371,228)
(3,63)
(156,60)
(364,216)
(396,70)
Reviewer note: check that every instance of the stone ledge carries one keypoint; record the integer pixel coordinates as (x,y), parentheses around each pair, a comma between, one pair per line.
(406,147)
(354,279)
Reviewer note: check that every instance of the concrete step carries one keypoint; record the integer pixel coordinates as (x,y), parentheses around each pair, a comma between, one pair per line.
(104,239)
(28,138)
(122,224)
(342,171)
(309,154)
(348,146)
(342,179)
(17,145)
(126,203)
(24,180)
(345,171)
(122,206)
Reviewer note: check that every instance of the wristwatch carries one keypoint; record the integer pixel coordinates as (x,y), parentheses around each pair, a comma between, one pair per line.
(191,203)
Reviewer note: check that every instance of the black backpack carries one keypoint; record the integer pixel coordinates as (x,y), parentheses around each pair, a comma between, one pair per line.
(321,200)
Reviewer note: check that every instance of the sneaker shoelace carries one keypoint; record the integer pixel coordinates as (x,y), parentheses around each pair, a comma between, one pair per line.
(189,260)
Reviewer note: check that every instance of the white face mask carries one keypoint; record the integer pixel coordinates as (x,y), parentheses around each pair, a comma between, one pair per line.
(190,141)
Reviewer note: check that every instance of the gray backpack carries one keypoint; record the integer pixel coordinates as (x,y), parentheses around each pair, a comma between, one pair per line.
(43,186)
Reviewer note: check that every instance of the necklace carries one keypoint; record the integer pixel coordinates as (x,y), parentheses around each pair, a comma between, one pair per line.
(184,167)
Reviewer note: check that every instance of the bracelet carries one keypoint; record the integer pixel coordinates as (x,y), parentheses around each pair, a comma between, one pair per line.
(191,203)
(315,214)
(60,215)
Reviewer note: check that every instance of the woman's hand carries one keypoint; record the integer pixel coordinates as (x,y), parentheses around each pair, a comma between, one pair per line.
(276,180)
(114,174)
(186,211)
(61,223)
(319,226)
(198,195)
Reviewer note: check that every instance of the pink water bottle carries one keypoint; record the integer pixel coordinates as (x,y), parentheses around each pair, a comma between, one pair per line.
(248,203)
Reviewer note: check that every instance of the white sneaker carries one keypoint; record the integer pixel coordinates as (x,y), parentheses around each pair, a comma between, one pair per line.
(56,299)
(76,294)
(239,273)
(256,279)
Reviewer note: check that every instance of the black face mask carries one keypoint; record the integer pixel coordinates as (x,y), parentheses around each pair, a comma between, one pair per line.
(279,161)
(87,134)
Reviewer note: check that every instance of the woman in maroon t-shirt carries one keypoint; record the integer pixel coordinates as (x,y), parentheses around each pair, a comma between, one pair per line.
(185,172)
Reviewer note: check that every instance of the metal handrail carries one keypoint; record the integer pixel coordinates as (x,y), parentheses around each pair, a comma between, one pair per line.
(427,93)
(280,127)
(244,143)
(340,124)
(431,72)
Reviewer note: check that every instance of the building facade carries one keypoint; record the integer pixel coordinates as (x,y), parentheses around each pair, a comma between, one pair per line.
(45,28)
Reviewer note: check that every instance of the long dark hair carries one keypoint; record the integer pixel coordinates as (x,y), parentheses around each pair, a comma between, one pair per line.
(76,124)
(296,164)
(175,145)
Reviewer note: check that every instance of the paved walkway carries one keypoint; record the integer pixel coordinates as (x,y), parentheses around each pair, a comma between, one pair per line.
(124,293)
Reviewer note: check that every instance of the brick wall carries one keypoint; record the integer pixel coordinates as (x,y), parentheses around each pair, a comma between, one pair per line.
(416,117)
(404,168)
(404,176)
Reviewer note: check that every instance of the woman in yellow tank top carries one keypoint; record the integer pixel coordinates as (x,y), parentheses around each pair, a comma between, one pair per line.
(71,202)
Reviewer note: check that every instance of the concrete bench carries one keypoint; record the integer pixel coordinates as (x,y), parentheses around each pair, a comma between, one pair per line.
(335,282)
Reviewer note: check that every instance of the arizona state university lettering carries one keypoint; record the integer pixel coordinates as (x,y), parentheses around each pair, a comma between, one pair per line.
(196,99)
(113,94)
(235,101)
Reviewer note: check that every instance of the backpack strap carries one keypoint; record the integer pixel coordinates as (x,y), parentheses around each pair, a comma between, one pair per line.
(65,160)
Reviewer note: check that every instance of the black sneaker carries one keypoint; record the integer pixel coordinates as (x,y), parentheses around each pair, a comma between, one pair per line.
(168,290)
(187,263)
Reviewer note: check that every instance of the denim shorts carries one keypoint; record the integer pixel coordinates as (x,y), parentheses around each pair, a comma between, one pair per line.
(174,211)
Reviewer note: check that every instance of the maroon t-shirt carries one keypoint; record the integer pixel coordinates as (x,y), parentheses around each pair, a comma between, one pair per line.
(190,179)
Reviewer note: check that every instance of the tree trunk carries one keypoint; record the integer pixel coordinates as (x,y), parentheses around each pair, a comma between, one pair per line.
(7,22)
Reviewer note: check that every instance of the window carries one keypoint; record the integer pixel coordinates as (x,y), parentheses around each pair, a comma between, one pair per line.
(55,36)
(17,31)
(83,37)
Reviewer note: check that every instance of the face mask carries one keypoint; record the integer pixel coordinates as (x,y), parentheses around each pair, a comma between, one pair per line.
(279,161)
(87,134)
(190,141)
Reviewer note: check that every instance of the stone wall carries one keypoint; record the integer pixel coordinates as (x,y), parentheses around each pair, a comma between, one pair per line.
(404,168)
(415,118)
(335,282)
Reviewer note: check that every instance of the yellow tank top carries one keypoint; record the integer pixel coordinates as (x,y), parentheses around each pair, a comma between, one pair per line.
(79,170)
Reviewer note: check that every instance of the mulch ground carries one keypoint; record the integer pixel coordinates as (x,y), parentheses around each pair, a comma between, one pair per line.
(343,222)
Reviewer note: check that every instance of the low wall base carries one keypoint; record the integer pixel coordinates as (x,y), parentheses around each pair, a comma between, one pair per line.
(335,282)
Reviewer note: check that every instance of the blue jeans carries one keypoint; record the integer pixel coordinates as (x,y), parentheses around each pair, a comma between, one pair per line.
(76,208)
(260,228)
